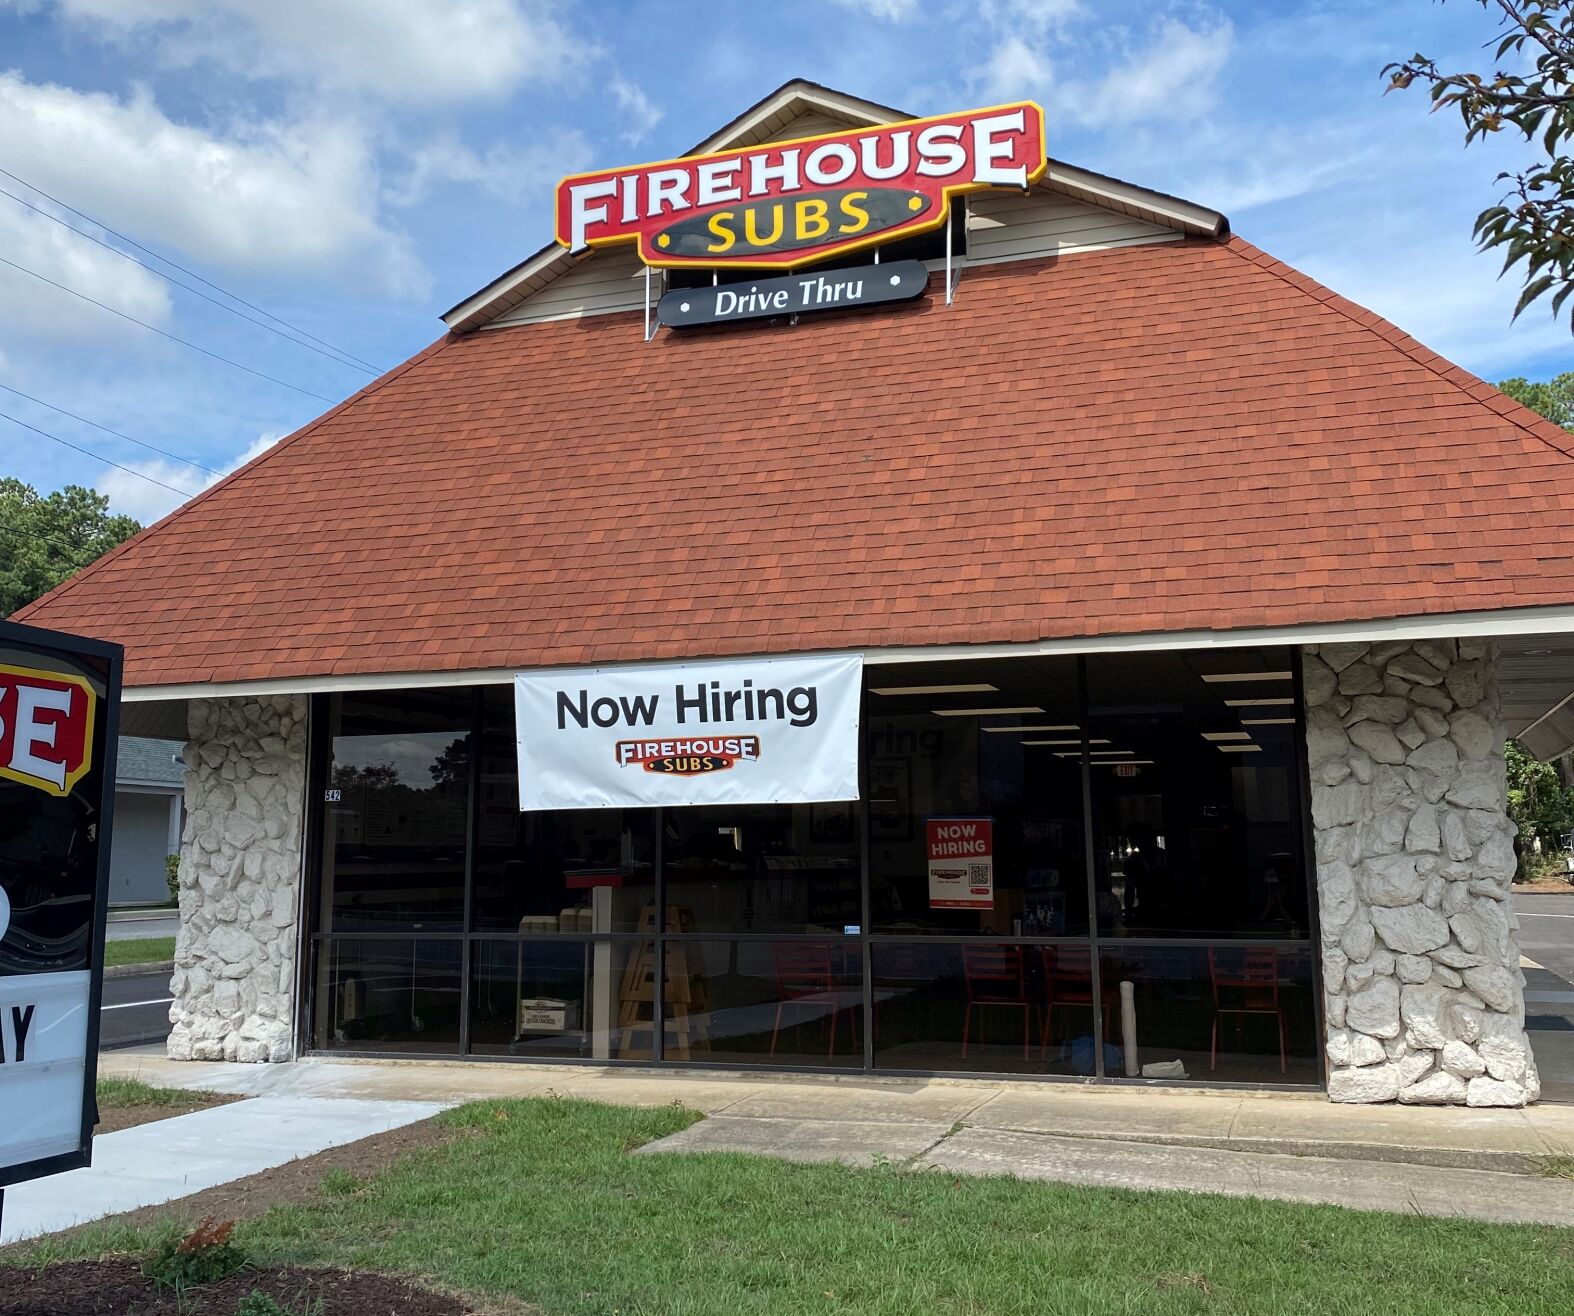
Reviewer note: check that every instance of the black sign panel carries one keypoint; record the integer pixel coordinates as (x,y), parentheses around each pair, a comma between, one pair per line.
(59,715)
(794,294)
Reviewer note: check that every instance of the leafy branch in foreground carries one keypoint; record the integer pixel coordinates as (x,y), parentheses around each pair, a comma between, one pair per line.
(1533,224)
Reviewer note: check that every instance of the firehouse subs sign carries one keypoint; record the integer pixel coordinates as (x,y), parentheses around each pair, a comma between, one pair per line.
(739,731)
(786,204)
(57,697)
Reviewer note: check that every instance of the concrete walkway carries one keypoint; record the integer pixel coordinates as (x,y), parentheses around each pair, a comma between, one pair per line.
(172,1158)
(1488,1164)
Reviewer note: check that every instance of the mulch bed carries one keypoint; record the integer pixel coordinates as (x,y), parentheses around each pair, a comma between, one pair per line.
(117,1287)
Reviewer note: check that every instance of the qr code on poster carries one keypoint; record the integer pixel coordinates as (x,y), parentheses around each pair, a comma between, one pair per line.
(978,874)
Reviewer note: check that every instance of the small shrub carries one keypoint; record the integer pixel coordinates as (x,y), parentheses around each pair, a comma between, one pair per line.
(204,1255)
(172,877)
(258,1303)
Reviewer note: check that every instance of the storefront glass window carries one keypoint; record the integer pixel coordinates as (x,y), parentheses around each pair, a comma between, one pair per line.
(1197,797)
(561,999)
(995,746)
(762,868)
(570,871)
(999,929)
(791,1002)
(983,1005)
(1226,1012)
(397,812)
(389,994)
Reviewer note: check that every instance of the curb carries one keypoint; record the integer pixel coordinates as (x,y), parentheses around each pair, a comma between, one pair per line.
(139,970)
(1447,1158)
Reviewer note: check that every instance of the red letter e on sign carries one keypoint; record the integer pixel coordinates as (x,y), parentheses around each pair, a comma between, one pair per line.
(46,728)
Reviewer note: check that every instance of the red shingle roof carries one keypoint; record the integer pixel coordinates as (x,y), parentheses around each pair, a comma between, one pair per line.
(1159,438)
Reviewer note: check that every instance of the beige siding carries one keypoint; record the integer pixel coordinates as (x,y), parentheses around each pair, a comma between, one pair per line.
(611,279)
(1018,226)
(810,125)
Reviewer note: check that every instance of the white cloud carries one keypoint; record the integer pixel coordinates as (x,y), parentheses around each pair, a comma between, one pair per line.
(412,52)
(42,313)
(644,114)
(890,11)
(295,198)
(509,173)
(1176,74)
(130,495)
(1035,16)
(1014,70)
(1284,163)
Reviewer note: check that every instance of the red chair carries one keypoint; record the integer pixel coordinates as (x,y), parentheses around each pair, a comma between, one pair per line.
(806,982)
(994,982)
(1250,987)
(1068,981)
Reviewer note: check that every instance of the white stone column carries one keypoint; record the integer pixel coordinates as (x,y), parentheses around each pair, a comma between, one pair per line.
(240,872)
(1424,994)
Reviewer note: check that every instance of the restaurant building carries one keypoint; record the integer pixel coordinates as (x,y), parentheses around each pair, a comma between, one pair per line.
(1129,627)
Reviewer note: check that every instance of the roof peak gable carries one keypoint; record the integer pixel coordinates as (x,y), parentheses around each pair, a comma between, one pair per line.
(793,100)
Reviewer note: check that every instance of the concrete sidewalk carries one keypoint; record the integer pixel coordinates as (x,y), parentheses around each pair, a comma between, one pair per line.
(159,1162)
(1489,1164)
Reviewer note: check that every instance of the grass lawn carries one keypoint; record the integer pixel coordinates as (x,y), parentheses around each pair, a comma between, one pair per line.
(143,950)
(541,1200)
(128,1092)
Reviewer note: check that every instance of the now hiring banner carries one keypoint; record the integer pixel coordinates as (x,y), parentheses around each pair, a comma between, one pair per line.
(734,731)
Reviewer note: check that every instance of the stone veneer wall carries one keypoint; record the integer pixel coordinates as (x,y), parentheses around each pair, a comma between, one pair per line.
(1415,853)
(240,867)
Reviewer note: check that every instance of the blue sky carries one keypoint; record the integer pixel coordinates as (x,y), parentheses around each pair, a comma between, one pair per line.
(357,166)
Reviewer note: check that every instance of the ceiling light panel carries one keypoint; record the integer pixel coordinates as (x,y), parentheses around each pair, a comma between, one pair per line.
(986,712)
(934,690)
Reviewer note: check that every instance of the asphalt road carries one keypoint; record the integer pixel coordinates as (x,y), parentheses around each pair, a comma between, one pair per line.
(1546,937)
(135,1010)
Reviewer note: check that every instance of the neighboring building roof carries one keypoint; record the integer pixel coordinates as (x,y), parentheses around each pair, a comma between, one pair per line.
(1177,436)
(143,762)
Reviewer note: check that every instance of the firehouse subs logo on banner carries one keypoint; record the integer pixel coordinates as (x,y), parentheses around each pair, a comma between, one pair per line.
(743,731)
(788,203)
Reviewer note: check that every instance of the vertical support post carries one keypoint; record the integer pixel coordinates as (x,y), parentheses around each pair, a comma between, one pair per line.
(658,991)
(865,896)
(647,303)
(1090,858)
(948,260)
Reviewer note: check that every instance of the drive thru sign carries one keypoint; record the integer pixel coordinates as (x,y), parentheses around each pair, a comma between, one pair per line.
(59,705)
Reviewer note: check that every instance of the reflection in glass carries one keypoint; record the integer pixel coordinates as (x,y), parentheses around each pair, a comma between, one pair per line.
(1232,1013)
(560,999)
(569,871)
(765,1002)
(985,1006)
(762,868)
(1197,803)
(936,749)
(388,995)
(395,836)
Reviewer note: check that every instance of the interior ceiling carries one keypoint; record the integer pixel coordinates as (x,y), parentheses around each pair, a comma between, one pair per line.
(1536,681)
